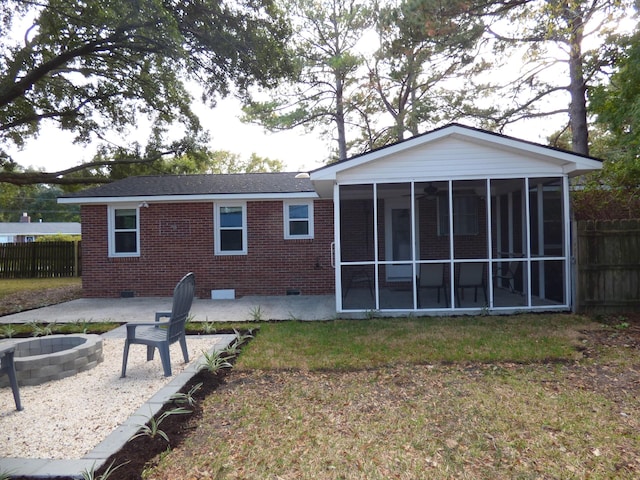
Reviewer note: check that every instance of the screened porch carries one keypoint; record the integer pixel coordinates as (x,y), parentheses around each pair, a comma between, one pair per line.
(453,245)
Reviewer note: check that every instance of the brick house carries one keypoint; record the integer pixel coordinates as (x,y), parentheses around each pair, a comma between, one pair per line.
(455,220)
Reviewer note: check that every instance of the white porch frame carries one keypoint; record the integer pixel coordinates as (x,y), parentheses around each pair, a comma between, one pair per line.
(529,260)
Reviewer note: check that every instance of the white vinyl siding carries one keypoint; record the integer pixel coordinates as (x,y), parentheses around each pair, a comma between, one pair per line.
(451,158)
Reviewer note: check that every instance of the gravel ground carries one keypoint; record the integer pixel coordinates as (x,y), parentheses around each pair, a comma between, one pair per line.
(65,419)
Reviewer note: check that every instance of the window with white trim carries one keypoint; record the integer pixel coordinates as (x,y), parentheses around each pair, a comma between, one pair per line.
(465,215)
(124,231)
(298,219)
(230,228)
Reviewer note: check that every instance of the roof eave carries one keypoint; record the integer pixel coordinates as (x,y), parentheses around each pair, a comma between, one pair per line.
(184,198)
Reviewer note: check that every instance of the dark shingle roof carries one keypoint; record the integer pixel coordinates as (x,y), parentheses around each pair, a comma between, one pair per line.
(160,185)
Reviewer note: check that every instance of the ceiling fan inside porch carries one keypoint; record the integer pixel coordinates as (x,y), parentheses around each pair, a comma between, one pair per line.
(430,191)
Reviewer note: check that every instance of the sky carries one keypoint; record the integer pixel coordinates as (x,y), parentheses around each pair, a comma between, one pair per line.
(299,151)
(54,150)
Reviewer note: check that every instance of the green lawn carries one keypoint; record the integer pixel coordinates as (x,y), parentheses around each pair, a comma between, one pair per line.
(466,397)
(19,285)
(356,344)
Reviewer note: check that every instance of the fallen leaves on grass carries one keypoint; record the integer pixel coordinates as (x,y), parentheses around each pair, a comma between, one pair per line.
(477,421)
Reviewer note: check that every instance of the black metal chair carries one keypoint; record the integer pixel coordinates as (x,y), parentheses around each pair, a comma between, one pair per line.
(507,273)
(7,366)
(471,275)
(161,335)
(359,277)
(431,275)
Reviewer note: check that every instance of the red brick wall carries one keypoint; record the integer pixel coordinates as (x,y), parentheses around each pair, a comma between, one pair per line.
(178,238)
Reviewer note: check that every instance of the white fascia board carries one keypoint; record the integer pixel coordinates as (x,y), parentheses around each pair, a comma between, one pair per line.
(186,198)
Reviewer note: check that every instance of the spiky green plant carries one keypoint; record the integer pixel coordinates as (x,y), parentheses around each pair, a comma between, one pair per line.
(256,314)
(38,330)
(152,427)
(209,327)
(188,398)
(8,331)
(90,474)
(214,362)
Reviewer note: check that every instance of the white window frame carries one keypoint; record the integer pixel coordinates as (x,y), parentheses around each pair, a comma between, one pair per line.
(287,220)
(111,224)
(217,228)
(473,218)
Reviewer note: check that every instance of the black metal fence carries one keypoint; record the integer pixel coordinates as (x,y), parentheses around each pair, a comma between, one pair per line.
(40,259)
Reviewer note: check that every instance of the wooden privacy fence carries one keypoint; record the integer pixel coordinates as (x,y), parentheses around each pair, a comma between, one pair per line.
(608,266)
(40,259)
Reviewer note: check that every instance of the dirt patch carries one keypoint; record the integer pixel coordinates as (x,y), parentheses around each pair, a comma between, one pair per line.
(29,300)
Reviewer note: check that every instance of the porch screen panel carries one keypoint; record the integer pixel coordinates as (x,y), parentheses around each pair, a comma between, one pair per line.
(509,246)
(430,198)
(358,287)
(469,219)
(547,216)
(547,282)
(356,223)
(395,292)
(510,283)
(394,222)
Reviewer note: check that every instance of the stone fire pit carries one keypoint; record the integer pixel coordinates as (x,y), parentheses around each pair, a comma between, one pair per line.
(42,359)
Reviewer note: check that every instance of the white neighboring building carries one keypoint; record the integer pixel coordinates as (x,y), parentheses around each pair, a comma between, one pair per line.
(24,231)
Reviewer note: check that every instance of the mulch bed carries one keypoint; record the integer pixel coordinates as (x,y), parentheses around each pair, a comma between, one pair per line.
(144,451)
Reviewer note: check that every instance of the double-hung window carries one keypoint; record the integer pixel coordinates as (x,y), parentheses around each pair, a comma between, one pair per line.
(465,215)
(231,228)
(124,231)
(298,220)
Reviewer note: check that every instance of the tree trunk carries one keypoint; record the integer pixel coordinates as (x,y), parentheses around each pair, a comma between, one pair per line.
(342,138)
(577,87)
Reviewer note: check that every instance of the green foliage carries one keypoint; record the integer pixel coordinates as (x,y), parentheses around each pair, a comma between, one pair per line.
(215,361)
(564,48)
(152,427)
(223,161)
(233,349)
(614,192)
(599,201)
(90,474)
(424,46)
(187,398)
(38,330)
(256,314)
(59,237)
(7,331)
(617,106)
(324,46)
(39,201)
(99,68)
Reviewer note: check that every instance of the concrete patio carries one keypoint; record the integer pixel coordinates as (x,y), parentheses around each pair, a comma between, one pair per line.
(142,309)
